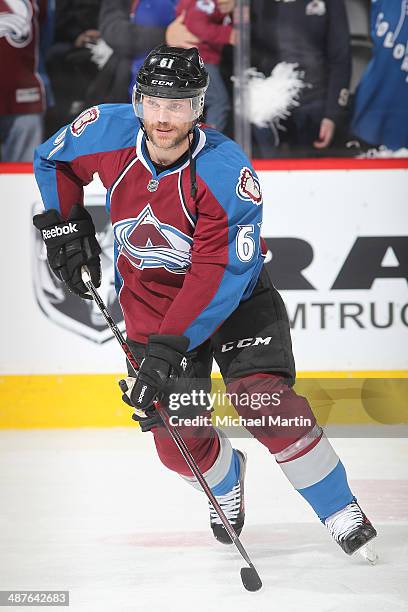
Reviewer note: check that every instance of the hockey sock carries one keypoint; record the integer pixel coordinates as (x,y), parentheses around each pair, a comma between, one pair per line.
(223,475)
(330,494)
(230,479)
(318,475)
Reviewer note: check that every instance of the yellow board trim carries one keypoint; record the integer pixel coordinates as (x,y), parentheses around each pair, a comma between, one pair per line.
(94,400)
(346,374)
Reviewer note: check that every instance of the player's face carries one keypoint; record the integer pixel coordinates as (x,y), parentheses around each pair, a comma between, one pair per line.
(167,121)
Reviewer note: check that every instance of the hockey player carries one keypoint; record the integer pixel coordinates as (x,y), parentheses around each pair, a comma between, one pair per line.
(186,209)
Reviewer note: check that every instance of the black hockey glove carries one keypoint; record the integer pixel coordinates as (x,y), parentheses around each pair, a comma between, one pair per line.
(147,418)
(164,363)
(70,245)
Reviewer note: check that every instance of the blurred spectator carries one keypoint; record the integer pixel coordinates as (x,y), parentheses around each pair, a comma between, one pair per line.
(315,35)
(358,13)
(128,41)
(210,21)
(26,29)
(149,13)
(76,21)
(70,61)
(381,105)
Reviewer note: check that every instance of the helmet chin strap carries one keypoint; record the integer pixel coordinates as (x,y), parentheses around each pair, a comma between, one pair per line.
(143,129)
(192,164)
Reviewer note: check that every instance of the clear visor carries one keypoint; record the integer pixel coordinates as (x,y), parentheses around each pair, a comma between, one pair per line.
(167,109)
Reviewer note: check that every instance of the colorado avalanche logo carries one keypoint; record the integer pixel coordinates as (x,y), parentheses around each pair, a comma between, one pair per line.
(248,187)
(148,243)
(84,119)
(16,22)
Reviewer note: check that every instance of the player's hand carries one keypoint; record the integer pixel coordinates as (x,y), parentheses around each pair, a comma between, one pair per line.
(70,245)
(165,361)
(147,418)
(177,35)
(86,38)
(326,133)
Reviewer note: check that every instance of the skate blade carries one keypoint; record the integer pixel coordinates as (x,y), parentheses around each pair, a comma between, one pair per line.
(369,553)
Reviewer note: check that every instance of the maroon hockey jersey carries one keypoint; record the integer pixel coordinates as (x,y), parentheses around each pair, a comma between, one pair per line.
(21,86)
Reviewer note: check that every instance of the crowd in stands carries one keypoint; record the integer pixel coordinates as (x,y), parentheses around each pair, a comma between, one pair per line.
(350,58)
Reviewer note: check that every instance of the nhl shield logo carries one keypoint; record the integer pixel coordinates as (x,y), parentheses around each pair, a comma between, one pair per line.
(58,303)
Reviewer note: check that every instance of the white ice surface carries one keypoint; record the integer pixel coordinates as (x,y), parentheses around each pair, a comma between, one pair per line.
(94,512)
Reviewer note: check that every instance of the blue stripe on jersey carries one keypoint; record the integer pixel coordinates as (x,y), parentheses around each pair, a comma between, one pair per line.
(330,494)
(230,479)
(108,201)
(221,171)
(118,276)
(248,291)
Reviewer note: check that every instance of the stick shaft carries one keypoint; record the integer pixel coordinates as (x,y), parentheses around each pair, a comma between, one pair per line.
(172,429)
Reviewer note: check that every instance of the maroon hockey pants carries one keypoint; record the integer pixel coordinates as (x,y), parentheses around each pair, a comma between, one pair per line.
(254,353)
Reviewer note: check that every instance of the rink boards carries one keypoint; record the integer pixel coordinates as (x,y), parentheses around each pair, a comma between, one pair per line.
(338,234)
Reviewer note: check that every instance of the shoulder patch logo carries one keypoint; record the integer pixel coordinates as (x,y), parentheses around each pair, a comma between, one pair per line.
(248,187)
(85,118)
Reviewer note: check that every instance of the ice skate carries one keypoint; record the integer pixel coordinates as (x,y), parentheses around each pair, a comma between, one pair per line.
(232,504)
(352,530)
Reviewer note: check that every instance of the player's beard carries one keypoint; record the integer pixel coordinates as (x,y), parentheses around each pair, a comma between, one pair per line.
(176,134)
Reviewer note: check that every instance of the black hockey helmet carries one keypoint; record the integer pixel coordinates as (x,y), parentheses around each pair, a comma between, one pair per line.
(172,72)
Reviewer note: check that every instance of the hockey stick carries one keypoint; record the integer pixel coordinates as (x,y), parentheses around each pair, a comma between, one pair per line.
(249,575)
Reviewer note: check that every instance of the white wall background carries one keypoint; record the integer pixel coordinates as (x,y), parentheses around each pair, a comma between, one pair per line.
(328,209)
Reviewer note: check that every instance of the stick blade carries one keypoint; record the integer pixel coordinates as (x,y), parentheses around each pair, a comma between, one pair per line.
(250,579)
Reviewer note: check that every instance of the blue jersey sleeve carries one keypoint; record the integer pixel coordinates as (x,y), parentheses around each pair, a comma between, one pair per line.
(69,159)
